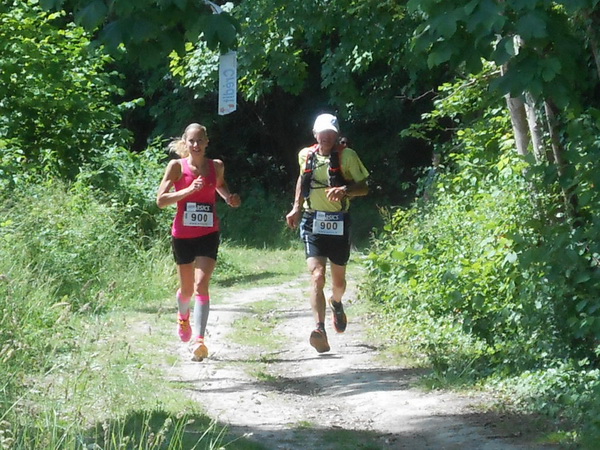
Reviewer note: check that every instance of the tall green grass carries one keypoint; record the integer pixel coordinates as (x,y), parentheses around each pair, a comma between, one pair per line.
(86,311)
(74,283)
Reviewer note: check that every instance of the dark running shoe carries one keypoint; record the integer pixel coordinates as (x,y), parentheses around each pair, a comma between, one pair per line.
(318,339)
(339,316)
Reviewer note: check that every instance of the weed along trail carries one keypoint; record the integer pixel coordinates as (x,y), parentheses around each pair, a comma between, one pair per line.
(264,380)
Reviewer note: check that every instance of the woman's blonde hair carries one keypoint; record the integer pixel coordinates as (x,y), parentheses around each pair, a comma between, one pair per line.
(178,145)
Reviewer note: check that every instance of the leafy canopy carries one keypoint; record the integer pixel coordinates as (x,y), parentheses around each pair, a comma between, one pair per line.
(57,104)
(151,29)
(538,41)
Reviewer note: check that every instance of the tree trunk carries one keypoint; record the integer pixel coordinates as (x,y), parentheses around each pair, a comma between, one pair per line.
(518,117)
(535,129)
(593,35)
(596,54)
(558,151)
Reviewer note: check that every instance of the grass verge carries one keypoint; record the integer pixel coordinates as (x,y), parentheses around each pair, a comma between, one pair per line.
(86,314)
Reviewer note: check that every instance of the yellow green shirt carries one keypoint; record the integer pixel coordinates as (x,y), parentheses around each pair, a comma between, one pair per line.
(352,169)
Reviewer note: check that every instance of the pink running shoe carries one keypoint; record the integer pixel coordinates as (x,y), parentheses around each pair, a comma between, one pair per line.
(184,329)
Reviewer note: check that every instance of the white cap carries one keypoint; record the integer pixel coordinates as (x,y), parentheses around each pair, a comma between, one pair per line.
(326,122)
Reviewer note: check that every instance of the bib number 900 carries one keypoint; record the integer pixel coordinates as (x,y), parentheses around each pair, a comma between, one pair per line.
(328,223)
(328,226)
(198,215)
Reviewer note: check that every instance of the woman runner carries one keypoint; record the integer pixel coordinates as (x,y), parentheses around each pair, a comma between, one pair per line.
(195,232)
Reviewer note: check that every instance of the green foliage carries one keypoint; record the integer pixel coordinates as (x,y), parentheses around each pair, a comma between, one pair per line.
(458,262)
(79,257)
(56,94)
(74,232)
(574,250)
(551,63)
(567,391)
(488,252)
(486,275)
(151,29)
(281,45)
(147,430)
(62,255)
(259,222)
(129,182)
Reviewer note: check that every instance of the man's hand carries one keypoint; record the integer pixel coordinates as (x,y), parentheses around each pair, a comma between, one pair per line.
(336,194)
(293,218)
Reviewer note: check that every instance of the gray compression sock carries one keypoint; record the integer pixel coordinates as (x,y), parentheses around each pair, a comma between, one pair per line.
(201,310)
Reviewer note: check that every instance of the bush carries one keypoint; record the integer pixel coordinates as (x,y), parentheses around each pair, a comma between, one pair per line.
(259,222)
(492,273)
(57,95)
(128,182)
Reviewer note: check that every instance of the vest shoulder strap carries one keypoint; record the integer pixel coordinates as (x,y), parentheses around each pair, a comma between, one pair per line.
(335,177)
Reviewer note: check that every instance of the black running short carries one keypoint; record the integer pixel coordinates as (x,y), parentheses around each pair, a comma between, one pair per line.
(185,251)
(336,248)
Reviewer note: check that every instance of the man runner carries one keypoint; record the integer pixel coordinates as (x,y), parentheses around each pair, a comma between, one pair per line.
(330,175)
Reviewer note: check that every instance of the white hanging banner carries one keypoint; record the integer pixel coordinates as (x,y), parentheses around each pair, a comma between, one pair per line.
(228,83)
(215,8)
(227,74)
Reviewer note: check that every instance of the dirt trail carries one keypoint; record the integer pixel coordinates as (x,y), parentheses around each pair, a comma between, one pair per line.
(343,399)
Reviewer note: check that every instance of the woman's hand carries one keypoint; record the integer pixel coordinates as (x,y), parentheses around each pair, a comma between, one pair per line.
(197,184)
(234,200)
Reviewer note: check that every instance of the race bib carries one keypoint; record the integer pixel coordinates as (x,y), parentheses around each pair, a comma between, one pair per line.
(330,223)
(198,215)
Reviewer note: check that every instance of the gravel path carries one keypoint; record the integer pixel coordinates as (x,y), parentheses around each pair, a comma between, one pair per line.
(347,398)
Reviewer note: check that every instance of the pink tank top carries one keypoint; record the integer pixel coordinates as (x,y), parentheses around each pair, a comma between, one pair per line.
(197,213)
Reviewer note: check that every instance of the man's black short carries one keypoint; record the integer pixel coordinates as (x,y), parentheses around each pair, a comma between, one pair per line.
(185,251)
(336,248)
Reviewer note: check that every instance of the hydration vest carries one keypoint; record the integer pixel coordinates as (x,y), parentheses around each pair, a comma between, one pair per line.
(334,171)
